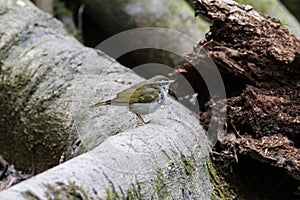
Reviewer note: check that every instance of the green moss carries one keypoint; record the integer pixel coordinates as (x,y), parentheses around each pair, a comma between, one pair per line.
(134,192)
(188,166)
(28,195)
(183,169)
(111,194)
(221,188)
(60,191)
(60,9)
(161,186)
(27,132)
(69,191)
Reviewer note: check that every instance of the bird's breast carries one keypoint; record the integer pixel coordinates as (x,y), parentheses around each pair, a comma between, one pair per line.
(146,108)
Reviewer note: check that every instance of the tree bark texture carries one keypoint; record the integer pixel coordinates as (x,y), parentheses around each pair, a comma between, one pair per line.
(48,80)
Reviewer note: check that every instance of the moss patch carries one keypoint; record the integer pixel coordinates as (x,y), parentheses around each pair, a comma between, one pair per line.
(161,186)
(60,191)
(222,190)
(134,192)
(28,129)
(188,166)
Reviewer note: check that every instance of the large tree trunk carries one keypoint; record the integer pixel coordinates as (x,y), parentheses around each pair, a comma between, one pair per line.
(48,81)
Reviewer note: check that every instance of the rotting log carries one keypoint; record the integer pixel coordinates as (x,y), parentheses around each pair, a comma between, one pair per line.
(259,61)
(275,9)
(48,81)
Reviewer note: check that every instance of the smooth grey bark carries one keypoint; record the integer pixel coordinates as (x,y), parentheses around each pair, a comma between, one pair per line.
(48,81)
(115,16)
(147,162)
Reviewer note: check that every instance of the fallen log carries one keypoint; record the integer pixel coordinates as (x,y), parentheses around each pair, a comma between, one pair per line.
(48,81)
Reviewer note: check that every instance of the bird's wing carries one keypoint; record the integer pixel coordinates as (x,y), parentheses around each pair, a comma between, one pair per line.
(140,93)
(149,94)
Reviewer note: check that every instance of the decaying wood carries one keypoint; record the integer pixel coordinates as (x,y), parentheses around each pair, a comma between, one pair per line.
(259,61)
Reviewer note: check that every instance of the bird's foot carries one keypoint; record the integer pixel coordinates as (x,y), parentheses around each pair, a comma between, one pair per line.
(142,120)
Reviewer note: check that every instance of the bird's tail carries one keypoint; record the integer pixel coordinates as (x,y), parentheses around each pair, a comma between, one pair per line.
(104,103)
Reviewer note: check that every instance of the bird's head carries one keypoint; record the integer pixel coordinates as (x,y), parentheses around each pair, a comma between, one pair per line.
(162,81)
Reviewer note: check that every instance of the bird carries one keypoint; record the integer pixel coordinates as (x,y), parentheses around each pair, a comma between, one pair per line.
(142,98)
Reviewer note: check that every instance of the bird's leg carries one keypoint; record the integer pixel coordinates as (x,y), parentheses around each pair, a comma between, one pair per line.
(140,117)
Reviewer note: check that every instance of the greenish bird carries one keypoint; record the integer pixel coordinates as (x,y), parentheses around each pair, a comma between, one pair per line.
(142,98)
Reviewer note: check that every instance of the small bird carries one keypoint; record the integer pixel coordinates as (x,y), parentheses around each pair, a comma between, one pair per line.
(142,98)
